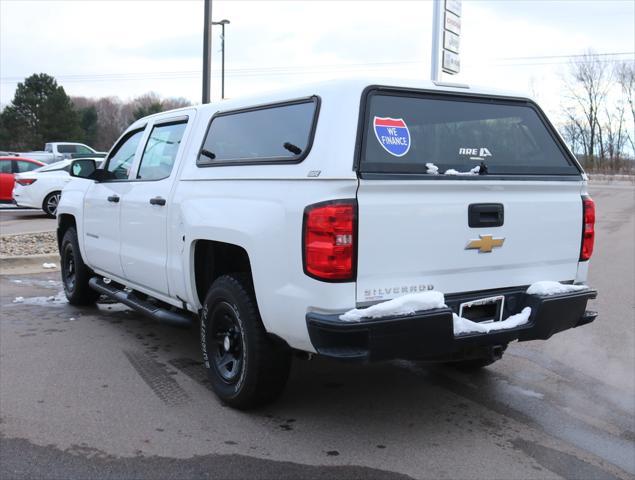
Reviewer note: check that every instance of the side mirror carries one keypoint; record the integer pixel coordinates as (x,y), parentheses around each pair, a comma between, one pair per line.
(83,168)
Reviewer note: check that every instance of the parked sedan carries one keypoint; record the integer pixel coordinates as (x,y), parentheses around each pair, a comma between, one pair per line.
(42,188)
(9,166)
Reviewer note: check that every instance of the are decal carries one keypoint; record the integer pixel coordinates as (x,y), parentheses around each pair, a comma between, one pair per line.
(393,135)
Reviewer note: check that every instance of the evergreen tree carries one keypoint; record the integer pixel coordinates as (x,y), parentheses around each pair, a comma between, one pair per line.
(40,112)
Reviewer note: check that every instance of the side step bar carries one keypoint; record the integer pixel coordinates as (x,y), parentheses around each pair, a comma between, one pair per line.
(161,315)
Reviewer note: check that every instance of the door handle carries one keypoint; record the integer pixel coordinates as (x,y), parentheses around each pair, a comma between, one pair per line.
(486,215)
(113,199)
(157,201)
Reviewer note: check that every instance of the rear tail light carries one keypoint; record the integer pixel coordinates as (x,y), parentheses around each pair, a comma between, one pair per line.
(329,240)
(588,227)
(25,181)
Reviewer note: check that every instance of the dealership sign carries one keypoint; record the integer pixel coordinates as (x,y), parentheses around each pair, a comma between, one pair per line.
(450,61)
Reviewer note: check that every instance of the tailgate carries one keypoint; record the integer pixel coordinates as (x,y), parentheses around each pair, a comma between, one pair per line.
(413,236)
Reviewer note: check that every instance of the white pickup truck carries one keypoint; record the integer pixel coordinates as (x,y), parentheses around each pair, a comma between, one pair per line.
(57,151)
(356,220)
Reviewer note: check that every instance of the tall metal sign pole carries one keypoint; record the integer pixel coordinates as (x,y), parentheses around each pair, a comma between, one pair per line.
(446,35)
(207,50)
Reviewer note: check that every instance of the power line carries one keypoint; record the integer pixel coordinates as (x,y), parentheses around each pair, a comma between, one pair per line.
(310,69)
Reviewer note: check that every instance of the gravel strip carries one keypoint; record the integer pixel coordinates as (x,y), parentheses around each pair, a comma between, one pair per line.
(28,244)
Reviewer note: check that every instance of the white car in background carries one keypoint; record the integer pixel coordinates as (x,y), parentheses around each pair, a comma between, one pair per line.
(42,188)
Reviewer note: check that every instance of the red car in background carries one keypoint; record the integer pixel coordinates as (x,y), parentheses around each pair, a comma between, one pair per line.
(10,166)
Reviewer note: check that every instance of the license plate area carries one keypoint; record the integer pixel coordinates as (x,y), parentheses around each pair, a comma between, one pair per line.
(483,310)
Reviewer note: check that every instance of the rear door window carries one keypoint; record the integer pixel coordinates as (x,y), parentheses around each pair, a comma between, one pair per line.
(82,149)
(26,166)
(160,151)
(269,134)
(428,133)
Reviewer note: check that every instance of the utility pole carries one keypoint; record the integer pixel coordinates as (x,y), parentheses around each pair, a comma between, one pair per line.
(207,50)
(222,23)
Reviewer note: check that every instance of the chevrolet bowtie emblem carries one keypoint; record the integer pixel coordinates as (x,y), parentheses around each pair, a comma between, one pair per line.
(485,243)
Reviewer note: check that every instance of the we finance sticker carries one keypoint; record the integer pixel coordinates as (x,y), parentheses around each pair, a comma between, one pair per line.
(393,135)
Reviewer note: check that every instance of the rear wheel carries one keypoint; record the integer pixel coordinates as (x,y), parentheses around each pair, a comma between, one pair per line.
(50,203)
(245,366)
(75,273)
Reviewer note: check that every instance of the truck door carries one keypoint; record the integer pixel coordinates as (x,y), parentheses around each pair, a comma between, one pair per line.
(102,207)
(145,206)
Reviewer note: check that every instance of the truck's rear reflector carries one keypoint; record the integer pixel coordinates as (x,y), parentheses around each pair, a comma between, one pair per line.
(329,240)
(588,228)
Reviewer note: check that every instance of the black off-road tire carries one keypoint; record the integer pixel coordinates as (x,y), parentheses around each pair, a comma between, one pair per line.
(50,203)
(245,366)
(75,273)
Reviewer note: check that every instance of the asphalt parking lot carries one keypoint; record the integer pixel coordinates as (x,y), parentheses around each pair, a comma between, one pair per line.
(105,393)
(23,220)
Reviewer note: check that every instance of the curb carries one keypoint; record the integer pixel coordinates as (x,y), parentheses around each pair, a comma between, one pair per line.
(28,263)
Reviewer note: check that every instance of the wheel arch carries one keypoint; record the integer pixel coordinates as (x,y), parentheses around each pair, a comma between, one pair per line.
(212,259)
(64,222)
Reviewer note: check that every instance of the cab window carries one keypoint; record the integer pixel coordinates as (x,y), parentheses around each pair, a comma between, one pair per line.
(160,151)
(5,166)
(122,156)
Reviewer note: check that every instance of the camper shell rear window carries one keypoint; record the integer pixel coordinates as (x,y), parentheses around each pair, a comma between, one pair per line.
(441,135)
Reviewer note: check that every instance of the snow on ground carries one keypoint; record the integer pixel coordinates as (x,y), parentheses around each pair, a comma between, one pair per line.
(463,325)
(59,299)
(548,287)
(474,171)
(404,305)
(49,265)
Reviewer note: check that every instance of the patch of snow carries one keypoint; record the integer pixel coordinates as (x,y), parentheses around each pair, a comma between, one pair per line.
(463,325)
(16,281)
(432,169)
(548,287)
(524,391)
(474,171)
(49,265)
(53,300)
(18,300)
(72,319)
(404,305)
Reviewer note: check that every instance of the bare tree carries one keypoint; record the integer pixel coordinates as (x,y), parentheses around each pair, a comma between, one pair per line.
(625,74)
(587,86)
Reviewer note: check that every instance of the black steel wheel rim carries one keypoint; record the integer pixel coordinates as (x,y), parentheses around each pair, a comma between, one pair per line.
(226,342)
(69,268)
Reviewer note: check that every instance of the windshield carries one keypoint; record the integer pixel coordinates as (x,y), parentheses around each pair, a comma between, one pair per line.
(437,134)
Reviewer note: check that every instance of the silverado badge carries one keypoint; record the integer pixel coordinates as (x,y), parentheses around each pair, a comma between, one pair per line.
(485,243)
